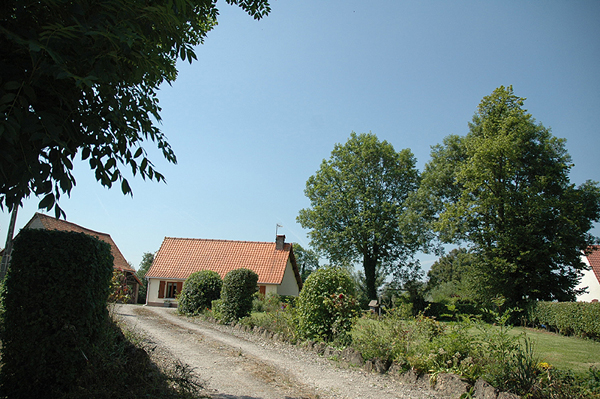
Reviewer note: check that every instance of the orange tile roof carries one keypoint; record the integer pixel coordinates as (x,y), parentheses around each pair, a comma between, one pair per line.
(51,223)
(177,258)
(594,259)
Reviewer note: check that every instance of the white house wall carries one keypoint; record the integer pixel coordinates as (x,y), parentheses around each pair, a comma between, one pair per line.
(36,223)
(589,280)
(270,289)
(152,298)
(289,285)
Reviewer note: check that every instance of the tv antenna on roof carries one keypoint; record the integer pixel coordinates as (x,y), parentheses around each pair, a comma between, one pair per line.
(277,226)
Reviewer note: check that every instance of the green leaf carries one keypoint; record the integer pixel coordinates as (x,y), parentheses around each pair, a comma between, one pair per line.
(7,98)
(125,187)
(12,85)
(47,202)
(356,199)
(34,46)
(110,164)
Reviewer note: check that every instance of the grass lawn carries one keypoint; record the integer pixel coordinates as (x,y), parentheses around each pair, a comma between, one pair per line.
(577,354)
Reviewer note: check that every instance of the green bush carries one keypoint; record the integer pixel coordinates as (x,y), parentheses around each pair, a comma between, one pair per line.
(198,292)
(216,309)
(281,321)
(422,343)
(55,310)
(271,302)
(564,384)
(568,318)
(327,305)
(380,339)
(450,310)
(237,293)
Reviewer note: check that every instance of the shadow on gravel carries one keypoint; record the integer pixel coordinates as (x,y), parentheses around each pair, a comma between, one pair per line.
(225,396)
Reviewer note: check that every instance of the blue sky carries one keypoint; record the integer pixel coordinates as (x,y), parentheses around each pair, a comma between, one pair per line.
(267,101)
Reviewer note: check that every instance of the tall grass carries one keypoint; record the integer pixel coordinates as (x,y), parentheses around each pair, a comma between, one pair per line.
(124,366)
(121,365)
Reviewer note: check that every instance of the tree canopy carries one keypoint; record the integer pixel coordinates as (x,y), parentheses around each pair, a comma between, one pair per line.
(357,201)
(504,189)
(82,78)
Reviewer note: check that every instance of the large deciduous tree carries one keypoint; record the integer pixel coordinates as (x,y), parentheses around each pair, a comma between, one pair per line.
(504,189)
(82,77)
(357,202)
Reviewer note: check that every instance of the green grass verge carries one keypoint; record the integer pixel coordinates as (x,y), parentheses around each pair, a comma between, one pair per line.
(568,353)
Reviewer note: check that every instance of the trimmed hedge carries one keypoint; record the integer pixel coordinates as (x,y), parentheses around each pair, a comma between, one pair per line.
(237,294)
(199,290)
(568,318)
(55,310)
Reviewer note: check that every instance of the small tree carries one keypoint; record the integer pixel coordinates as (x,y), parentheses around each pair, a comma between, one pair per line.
(239,286)
(327,305)
(450,277)
(145,264)
(119,290)
(306,259)
(199,290)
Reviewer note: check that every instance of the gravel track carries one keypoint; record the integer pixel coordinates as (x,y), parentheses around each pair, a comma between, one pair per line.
(231,364)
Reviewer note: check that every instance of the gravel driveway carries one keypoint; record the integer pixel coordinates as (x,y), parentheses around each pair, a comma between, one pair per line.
(236,365)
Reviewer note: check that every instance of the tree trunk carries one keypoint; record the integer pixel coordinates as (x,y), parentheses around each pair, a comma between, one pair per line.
(370,265)
(9,240)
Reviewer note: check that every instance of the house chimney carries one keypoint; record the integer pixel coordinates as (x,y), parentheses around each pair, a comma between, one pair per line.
(279,241)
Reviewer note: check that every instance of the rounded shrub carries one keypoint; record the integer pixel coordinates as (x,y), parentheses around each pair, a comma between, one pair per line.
(327,305)
(198,292)
(237,294)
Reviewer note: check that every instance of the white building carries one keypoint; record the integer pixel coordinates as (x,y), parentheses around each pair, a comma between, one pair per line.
(177,258)
(591,278)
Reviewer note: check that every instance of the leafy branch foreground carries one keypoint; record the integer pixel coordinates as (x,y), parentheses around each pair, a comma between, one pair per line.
(469,348)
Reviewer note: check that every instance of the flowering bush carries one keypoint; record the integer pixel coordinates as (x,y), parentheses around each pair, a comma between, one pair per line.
(119,290)
(327,305)
(343,308)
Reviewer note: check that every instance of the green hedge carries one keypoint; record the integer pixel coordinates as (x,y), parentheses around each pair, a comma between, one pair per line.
(199,290)
(55,307)
(237,294)
(568,318)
